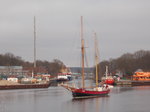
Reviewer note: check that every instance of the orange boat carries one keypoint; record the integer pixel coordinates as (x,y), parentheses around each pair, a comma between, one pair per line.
(141,76)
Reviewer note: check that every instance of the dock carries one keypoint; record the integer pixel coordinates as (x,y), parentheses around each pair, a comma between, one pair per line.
(132,83)
(140,83)
(124,82)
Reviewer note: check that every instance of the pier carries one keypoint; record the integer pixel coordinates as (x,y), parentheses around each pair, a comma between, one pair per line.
(132,83)
(124,82)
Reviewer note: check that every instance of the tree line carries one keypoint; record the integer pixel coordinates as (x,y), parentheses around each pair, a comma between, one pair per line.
(128,63)
(10,59)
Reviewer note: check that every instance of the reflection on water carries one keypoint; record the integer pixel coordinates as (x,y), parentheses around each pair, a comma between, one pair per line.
(89,104)
(58,99)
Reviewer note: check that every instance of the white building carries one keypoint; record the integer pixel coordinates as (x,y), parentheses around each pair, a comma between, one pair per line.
(12,79)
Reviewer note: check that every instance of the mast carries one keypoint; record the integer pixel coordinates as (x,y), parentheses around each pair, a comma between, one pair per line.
(82,52)
(106,73)
(34,44)
(96,59)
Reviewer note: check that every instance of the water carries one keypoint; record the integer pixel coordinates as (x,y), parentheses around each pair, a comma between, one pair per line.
(58,99)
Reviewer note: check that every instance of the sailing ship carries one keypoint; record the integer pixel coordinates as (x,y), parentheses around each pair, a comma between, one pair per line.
(85,92)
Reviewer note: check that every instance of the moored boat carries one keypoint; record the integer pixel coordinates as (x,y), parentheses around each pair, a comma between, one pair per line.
(6,85)
(24,86)
(64,77)
(108,79)
(141,76)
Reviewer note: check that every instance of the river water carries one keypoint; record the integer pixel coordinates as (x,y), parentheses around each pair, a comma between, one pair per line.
(58,99)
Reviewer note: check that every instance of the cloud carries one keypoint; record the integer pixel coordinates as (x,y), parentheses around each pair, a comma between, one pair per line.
(121,25)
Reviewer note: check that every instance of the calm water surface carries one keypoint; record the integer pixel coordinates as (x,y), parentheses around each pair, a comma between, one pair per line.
(58,99)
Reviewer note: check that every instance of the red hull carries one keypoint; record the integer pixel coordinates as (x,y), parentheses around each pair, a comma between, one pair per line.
(110,81)
(79,93)
(84,93)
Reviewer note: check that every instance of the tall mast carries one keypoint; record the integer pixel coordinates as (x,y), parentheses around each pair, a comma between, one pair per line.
(96,59)
(82,52)
(34,43)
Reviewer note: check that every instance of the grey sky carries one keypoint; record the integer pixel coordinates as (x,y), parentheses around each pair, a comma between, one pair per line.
(122,26)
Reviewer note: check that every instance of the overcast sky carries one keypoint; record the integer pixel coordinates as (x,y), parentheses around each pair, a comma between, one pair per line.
(121,25)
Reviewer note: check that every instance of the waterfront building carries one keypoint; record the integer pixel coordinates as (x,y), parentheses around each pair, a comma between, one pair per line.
(12,70)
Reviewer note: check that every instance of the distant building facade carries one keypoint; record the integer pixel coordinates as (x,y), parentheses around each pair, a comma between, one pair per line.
(36,71)
(12,70)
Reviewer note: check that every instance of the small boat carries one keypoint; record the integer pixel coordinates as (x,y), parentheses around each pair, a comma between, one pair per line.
(64,77)
(108,79)
(85,92)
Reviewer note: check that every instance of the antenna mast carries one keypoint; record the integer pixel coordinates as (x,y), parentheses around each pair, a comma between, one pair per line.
(34,43)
